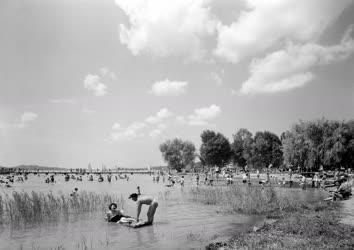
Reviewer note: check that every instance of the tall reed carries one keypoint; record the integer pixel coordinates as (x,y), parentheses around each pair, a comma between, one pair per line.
(254,199)
(34,207)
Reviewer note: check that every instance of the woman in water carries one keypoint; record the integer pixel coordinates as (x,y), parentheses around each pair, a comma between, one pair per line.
(114,214)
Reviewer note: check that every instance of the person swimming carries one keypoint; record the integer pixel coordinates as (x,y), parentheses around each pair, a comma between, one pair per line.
(114,214)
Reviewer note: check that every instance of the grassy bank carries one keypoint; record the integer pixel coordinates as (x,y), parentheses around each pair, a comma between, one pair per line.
(20,208)
(308,229)
(302,219)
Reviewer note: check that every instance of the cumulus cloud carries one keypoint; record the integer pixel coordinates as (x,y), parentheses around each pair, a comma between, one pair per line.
(104,71)
(163,28)
(26,118)
(130,132)
(264,24)
(93,83)
(155,133)
(160,116)
(201,116)
(116,126)
(289,68)
(168,88)
(138,129)
(158,131)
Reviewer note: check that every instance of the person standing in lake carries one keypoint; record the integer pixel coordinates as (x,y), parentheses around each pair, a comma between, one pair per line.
(145,200)
(182,181)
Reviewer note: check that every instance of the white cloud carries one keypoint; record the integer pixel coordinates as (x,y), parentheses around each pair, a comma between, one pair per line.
(104,71)
(169,88)
(116,126)
(155,133)
(158,131)
(265,24)
(201,116)
(62,101)
(160,116)
(164,28)
(93,83)
(131,132)
(135,130)
(26,118)
(289,68)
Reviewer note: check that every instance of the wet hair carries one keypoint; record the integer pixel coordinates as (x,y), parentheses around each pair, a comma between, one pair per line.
(112,204)
(133,195)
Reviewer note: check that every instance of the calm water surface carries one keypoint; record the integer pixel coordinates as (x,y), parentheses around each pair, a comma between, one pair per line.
(179,224)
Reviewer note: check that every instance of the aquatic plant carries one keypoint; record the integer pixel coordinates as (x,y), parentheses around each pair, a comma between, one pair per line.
(254,199)
(35,207)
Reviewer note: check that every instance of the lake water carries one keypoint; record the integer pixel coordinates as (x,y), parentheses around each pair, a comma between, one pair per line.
(178,224)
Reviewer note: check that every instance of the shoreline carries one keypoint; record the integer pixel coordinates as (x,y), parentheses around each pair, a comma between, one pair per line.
(317,227)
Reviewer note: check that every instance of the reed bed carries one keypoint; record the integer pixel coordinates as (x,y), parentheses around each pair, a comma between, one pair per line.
(256,199)
(22,207)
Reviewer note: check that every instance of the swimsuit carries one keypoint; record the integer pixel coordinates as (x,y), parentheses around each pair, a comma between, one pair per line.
(116,218)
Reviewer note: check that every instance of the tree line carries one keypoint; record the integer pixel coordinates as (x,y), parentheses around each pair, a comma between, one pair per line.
(307,146)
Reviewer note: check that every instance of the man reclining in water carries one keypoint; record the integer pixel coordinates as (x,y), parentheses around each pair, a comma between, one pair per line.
(117,215)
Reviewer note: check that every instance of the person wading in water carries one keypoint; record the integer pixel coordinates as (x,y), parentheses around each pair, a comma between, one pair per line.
(145,200)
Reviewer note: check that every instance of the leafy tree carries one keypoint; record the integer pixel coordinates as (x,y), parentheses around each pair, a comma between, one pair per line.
(177,153)
(242,147)
(321,142)
(295,148)
(215,149)
(266,150)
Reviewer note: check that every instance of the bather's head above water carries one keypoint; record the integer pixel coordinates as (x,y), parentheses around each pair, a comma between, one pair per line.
(113,206)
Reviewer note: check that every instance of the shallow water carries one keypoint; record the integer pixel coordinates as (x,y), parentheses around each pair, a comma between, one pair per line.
(178,224)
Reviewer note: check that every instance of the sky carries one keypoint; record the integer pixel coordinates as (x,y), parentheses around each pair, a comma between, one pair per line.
(106,82)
